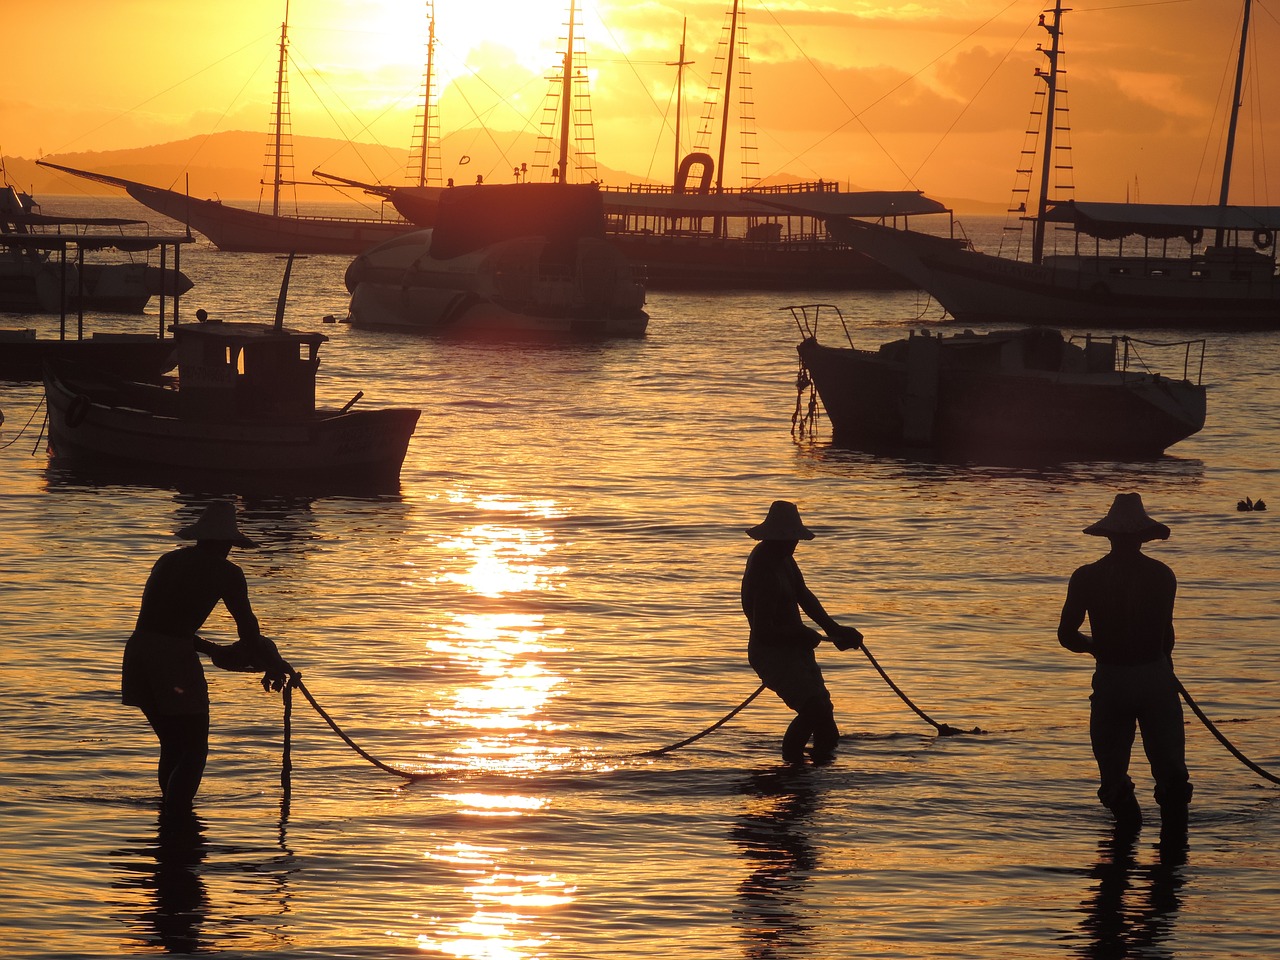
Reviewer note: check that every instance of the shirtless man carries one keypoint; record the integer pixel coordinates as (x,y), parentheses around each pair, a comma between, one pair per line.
(161,673)
(780,648)
(1128,598)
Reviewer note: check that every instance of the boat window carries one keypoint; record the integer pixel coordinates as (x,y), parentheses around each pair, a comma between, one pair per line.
(235,358)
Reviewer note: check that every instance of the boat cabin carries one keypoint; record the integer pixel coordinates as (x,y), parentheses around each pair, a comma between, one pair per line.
(246,371)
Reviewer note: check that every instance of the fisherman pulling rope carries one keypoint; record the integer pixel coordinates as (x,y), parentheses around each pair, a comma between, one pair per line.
(162,675)
(1128,598)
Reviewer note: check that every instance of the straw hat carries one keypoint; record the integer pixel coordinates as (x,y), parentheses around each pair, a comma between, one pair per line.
(781,523)
(1127,516)
(218,522)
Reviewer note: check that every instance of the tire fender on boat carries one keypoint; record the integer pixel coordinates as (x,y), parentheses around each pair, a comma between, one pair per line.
(1263,239)
(77,410)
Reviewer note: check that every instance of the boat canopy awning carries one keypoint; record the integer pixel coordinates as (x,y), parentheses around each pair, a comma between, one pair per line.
(1111,221)
(65,241)
(769,203)
(44,220)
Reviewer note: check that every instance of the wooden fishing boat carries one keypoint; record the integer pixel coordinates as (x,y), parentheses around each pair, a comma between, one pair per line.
(244,404)
(1012,392)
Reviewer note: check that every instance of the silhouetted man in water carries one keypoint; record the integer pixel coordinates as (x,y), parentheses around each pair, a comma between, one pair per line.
(781,646)
(161,673)
(1128,597)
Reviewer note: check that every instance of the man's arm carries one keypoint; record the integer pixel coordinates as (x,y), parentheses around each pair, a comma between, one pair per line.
(1073,613)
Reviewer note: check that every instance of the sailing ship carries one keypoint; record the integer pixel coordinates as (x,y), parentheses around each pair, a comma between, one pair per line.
(1167,278)
(700,233)
(238,229)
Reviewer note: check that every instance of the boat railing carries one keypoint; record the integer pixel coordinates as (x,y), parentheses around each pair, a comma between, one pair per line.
(1129,354)
(808,315)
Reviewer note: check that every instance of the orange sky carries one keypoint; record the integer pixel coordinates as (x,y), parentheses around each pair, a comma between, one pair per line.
(933,94)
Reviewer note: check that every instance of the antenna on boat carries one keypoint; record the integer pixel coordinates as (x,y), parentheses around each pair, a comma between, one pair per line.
(680,64)
(284,292)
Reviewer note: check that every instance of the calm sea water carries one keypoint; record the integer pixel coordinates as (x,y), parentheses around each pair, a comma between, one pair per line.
(554,590)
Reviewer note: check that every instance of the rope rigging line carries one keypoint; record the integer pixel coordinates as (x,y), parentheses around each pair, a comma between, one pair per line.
(1195,708)
(18,435)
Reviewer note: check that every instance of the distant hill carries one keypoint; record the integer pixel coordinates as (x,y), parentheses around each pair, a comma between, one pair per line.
(230,166)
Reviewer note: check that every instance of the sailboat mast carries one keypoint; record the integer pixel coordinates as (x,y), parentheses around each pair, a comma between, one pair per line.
(566,105)
(1225,194)
(1050,122)
(426,94)
(728,87)
(275,180)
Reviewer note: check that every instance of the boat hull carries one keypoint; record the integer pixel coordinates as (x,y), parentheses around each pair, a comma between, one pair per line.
(707,263)
(526,287)
(233,229)
(979,288)
(86,428)
(876,402)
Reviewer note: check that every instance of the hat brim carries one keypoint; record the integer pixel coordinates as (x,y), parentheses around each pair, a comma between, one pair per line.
(194,533)
(766,531)
(1147,532)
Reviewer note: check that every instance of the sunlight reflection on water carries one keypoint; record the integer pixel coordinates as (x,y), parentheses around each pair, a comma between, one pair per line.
(552,590)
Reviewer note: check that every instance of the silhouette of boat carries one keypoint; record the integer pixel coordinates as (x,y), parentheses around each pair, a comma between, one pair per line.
(144,356)
(1011,392)
(239,229)
(32,281)
(699,234)
(516,260)
(244,404)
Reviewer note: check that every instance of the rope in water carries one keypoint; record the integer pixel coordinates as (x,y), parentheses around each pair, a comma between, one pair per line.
(944,729)
(1195,708)
(295,683)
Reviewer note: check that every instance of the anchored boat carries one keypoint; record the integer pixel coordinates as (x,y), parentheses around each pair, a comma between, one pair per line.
(244,404)
(1013,392)
(517,260)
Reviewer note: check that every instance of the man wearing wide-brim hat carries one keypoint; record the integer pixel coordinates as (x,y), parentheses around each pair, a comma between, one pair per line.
(161,672)
(780,648)
(1128,598)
